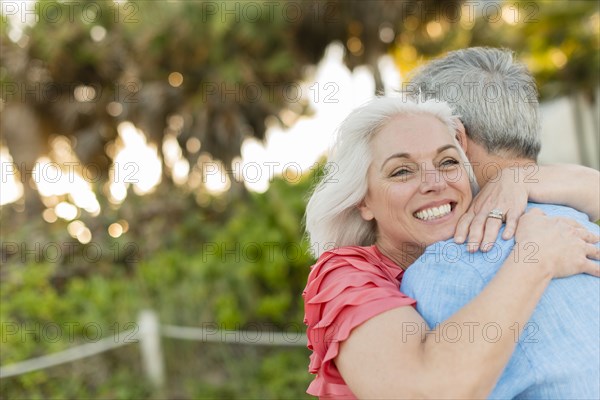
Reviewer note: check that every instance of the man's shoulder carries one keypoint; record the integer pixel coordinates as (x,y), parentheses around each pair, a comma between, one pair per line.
(444,266)
(445,257)
(448,257)
(444,279)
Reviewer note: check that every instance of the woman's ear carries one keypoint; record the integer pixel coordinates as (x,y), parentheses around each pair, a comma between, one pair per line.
(461,134)
(365,211)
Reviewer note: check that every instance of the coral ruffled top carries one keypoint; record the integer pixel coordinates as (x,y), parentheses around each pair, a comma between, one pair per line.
(346,287)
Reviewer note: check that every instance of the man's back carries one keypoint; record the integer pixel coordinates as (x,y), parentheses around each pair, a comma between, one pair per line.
(558,351)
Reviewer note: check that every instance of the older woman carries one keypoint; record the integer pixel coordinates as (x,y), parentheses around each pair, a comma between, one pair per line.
(401,183)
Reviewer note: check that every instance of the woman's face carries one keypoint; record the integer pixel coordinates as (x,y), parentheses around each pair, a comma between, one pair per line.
(418,187)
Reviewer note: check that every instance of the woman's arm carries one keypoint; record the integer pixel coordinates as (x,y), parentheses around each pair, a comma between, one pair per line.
(571,185)
(391,356)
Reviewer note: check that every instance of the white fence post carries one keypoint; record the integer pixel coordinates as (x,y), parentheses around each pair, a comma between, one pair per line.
(152,358)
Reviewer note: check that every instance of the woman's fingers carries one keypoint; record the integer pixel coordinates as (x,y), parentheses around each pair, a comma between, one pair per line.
(482,231)
(588,236)
(503,194)
(492,227)
(535,211)
(579,230)
(476,232)
(593,252)
(565,246)
(511,224)
(462,228)
(593,269)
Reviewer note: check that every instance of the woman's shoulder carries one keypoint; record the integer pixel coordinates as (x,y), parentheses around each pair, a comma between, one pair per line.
(346,287)
(367,259)
(350,267)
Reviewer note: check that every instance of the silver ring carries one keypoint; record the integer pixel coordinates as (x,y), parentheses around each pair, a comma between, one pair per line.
(497,214)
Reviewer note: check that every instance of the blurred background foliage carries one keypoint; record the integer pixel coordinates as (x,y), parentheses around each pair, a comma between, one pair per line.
(205,272)
(236,258)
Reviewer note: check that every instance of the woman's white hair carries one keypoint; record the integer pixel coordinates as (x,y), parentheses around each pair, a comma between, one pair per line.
(332,216)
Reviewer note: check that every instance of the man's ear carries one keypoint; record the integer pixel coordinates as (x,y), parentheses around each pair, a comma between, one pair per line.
(365,211)
(461,134)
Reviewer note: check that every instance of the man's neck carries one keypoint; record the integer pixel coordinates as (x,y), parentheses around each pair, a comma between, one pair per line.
(487,166)
(495,165)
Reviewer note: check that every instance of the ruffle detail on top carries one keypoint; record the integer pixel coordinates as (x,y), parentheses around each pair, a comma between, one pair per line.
(346,287)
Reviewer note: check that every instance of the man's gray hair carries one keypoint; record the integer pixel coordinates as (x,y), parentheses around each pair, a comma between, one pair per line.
(495,96)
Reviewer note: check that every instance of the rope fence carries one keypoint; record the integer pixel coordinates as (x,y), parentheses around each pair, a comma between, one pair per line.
(252,338)
(148,334)
(51,360)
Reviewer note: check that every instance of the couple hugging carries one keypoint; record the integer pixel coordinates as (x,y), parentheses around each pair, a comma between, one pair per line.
(431,292)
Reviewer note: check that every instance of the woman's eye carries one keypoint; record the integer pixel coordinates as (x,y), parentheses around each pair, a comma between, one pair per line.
(448,162)
(401,172)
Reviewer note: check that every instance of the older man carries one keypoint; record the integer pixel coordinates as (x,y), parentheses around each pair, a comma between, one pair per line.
(496,100)
(558,351)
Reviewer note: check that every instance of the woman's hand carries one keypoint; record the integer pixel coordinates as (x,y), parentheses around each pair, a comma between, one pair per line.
(506,194)
(560,244)
(571,185)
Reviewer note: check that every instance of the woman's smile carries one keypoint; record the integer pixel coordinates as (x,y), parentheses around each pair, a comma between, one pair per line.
(435,212)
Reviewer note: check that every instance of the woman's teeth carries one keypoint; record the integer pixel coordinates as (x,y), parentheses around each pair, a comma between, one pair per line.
(433,212)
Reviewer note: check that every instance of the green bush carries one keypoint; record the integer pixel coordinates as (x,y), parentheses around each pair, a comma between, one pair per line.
(242,268)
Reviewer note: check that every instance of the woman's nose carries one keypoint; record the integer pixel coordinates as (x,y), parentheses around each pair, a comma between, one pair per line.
(432,180)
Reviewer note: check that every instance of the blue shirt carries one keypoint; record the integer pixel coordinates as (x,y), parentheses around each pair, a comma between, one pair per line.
(558,352)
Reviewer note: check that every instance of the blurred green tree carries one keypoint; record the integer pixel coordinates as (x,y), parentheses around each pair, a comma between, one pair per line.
(222,67)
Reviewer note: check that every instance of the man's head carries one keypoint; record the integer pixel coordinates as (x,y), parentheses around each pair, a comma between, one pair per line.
(495,98)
